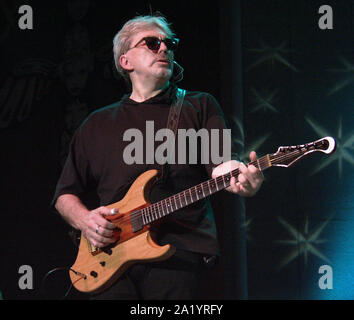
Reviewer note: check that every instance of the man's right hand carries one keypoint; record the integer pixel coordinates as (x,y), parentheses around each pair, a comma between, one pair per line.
(98,230)
(93,224)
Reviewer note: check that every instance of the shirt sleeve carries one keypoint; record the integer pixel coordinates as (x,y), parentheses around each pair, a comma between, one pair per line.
(221,145)
(75,176)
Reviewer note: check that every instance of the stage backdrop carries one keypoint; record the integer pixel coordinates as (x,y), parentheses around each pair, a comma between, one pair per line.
(283,73)
(298,87)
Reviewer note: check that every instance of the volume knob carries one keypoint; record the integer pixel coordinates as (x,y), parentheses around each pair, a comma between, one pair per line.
(94,274)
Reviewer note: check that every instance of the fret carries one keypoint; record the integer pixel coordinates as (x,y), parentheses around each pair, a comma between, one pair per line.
(173,202)
(190,200)
(202,187)
(199,188)
(164,203)
(209,187)
(162,213)
(178,204)
(183,202)
(213,186)
(223,179)
(190,192)
(152,213)
(180,201)
(259,166)
(168,206)
(158,211)
(143,216)
(185,199)
(196,191)
(163,208)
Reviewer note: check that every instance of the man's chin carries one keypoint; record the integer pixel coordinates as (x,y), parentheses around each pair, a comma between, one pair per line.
(165,75)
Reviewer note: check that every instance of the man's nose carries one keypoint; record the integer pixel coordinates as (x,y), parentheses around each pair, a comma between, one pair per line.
(163,47)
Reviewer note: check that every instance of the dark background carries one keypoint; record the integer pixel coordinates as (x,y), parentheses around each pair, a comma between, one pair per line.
(280,80)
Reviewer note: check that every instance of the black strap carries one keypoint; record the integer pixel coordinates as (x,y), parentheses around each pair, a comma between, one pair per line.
(172,122)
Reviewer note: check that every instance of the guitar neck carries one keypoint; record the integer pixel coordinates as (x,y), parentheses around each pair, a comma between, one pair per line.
(284,157)
(184,198)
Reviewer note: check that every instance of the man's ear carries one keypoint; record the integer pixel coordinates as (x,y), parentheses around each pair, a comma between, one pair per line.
(124,62)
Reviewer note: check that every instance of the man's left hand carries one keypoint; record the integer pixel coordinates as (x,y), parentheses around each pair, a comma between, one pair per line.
(248,181)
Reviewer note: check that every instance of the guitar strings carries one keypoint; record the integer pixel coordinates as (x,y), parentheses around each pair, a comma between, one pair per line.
(155,208)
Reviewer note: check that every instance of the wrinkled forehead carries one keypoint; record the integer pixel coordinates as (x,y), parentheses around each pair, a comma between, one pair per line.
(146,32)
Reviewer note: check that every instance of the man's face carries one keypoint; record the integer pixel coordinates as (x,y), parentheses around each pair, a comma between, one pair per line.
(146,63)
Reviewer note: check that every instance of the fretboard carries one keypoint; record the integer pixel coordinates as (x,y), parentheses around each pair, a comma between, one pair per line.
(184,198)
(284,157)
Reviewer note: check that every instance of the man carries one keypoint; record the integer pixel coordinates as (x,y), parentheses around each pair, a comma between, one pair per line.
(144,55)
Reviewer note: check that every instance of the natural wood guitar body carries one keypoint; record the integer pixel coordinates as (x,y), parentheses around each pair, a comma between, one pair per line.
(98,269)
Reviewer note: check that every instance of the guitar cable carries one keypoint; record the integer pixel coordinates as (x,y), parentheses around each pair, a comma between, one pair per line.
(42,288)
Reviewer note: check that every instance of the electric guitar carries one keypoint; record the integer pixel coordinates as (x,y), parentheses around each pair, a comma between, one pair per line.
(95,269)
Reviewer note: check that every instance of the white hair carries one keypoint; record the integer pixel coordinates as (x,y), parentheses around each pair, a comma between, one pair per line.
(122,40)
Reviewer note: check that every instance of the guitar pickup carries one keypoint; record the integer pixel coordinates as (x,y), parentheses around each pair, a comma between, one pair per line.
(136,221)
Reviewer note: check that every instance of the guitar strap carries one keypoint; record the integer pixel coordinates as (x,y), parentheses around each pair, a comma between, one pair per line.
(172,122)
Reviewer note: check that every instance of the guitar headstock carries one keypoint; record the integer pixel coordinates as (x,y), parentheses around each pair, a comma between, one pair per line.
(287,156)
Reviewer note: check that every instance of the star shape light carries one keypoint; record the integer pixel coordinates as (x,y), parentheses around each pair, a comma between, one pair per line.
(264,101)
(303,242)
(271,55)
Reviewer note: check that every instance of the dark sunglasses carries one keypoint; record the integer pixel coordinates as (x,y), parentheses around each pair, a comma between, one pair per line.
(154,43)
